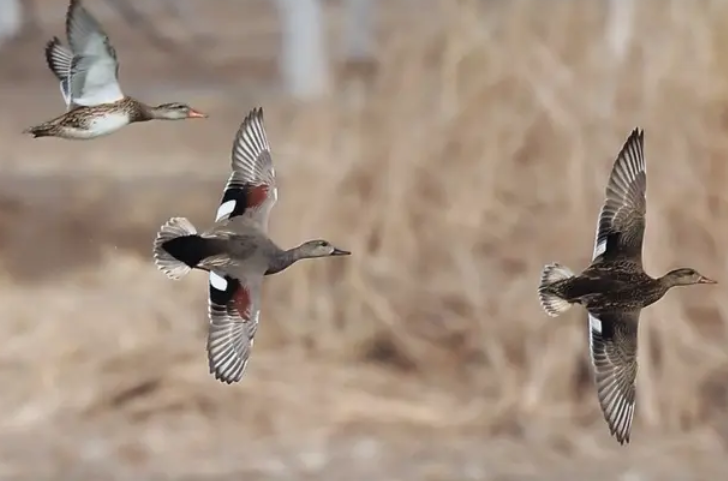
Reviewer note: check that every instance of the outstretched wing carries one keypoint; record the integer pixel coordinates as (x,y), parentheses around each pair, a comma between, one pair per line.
(94,76)
(59,60)
(613,349)
(251,189)
(234,309)
(621,224)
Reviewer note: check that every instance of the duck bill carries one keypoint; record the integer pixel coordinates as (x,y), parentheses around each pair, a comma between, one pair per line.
(705,280)
(195,114)
(340,252)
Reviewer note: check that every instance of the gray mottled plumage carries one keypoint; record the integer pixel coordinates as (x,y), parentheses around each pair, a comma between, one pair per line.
(236,251)
(615,288)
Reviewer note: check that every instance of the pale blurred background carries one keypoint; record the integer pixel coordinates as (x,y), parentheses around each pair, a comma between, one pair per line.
(455,147)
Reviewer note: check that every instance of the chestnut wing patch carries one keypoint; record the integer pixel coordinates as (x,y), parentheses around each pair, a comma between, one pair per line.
(251,189)
(237,199)
(234,312)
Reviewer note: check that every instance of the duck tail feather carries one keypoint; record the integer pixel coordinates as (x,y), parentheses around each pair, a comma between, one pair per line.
(551,302)
(177,248)
(39,131)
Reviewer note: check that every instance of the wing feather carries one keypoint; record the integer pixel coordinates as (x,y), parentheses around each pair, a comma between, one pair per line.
(59,60)
(251,189)
(613,349)
(621,223)
(94,76)
(234,310)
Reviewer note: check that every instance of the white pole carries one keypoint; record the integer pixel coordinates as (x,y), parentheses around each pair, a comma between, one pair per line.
(11,19)
(304,63)
(620,26)
(359,41)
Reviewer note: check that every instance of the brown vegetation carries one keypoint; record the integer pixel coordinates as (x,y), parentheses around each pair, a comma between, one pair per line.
(478,153)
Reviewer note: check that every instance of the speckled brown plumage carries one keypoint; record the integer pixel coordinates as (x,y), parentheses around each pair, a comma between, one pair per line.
(80,119)
(615,288)
(606,286)
(88,73)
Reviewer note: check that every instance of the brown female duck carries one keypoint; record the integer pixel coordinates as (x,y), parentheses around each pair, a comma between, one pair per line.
(89,78)
(615,288)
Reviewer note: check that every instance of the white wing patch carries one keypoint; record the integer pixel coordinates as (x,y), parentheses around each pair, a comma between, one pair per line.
(225,210)
(600,246)
(595,326)
(218,282)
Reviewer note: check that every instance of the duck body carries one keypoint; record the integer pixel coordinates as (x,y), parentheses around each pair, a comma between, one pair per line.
(601,288)
(245,246)
(83,123)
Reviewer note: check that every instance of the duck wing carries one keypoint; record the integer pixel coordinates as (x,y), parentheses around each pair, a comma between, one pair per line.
(621,224)
(234,310)
(251,189)
(613,349)
(59,60)
(94,72)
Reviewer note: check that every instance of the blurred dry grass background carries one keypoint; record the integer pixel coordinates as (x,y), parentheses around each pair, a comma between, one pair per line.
(477,153)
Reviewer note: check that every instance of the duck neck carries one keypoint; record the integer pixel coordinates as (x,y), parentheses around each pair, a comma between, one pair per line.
(142,112)
(157,113)
(668,281)
(284,259)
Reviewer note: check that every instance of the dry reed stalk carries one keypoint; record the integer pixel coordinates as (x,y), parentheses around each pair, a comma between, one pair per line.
(480,153)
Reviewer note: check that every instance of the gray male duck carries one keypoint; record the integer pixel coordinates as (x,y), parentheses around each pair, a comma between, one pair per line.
(236,251)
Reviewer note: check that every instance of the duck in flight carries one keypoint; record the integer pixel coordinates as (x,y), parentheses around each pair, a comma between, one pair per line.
(615,288)
(236,251)
(88,73)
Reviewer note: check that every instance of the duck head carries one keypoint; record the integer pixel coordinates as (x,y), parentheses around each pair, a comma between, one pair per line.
(686,277)
(176,111)
(320,248)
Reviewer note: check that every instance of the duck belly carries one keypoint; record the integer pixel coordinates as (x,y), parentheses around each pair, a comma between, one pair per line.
(105,125)
(608,293)
(634,297)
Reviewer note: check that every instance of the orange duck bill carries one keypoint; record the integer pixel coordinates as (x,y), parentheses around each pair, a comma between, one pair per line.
(196,114)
